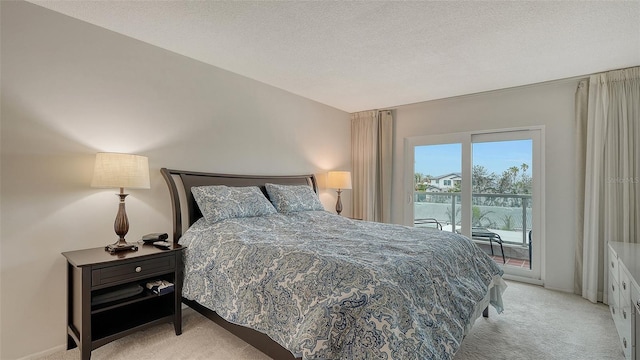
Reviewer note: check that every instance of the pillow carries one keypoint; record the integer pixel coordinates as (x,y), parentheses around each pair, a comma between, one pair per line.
(219,202)
(293,198)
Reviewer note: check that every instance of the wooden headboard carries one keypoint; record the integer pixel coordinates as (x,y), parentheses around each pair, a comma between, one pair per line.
(182,200)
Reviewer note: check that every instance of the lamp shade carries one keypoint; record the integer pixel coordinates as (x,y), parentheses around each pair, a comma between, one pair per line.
(113,170)
(339,179)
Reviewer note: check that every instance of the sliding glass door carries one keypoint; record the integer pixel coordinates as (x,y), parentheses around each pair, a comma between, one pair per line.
(486,186)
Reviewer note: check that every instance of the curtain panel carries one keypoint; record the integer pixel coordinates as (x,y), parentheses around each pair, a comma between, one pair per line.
(608,148)
(371,155)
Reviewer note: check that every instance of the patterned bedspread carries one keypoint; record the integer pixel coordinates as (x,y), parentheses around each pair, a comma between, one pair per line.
(326,287)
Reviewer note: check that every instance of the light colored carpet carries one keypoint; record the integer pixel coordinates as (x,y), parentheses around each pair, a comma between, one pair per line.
(537,324)
(541,324)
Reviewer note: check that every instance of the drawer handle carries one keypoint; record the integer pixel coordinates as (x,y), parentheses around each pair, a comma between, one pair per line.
(638,303)
(624,285)
(138,269)
(624,314)
(613,288)
(612,265)
(624,342)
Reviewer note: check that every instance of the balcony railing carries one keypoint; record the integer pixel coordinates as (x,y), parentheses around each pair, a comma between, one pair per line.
(507,214)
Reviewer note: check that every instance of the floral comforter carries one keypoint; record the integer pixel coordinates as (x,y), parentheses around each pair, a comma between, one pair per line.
(327,287)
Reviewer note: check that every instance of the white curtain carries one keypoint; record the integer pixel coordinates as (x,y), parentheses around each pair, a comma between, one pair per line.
(611,143)
(371,152)
(581,107)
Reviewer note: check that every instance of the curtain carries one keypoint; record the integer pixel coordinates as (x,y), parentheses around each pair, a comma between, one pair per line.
(582,96)
(610,132)
(371,152)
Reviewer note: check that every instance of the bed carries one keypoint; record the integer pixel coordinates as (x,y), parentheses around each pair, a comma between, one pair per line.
(302,283)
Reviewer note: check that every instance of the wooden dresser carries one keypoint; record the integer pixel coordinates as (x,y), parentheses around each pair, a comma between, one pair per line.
(624,294)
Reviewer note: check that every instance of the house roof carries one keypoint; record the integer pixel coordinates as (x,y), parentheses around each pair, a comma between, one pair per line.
(447,175)
(361,55)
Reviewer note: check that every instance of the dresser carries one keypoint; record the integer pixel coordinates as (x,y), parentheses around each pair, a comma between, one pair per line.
(624,294)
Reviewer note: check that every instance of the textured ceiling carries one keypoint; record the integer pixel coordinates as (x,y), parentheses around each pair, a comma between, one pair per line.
(366,55)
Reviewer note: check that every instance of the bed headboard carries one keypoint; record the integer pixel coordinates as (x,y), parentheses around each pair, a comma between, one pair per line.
(182,200)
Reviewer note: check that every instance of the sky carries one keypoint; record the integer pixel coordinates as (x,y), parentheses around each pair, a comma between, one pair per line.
(497,156)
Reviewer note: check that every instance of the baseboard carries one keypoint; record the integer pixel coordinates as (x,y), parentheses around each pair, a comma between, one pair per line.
(63,347)
(44,353)
(523,279)
(570,291)
(534,282)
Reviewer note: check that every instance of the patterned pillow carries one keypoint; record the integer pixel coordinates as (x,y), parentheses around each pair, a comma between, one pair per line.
(293,198)
(219,202)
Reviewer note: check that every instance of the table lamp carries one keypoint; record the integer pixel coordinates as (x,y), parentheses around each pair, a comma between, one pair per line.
(113,170)
(339,180)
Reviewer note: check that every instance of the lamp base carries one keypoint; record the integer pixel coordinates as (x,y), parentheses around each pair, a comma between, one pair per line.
(339,203)
(117,247)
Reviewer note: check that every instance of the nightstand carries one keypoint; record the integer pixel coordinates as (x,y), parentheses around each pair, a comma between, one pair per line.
(94,275)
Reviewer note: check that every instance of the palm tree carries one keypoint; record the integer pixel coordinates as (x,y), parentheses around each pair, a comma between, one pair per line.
(417,179)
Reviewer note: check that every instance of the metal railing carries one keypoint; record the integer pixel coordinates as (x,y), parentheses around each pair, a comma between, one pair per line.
(487,209)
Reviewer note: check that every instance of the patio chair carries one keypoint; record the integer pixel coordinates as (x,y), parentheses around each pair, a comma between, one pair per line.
(427,221)
(484,234)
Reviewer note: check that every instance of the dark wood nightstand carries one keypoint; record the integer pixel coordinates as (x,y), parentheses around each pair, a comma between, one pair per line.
(94,274)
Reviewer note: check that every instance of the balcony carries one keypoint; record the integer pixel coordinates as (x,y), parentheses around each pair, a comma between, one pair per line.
(507,216)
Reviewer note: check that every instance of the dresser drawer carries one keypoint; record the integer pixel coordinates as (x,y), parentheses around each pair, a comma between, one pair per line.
(627,348)
(614,304)
(625,288)
(613,265)
(132,270)
(635,297)
(624,326)
(614,291)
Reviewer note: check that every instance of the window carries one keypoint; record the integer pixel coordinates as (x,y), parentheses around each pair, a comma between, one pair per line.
(447,183)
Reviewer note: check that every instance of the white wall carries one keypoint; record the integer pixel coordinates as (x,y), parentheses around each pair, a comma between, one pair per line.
(551,105)
(69,90)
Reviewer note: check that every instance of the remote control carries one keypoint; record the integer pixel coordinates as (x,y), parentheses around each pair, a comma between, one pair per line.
(162,244)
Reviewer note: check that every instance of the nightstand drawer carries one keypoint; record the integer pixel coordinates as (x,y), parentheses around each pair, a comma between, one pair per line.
(133,270)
